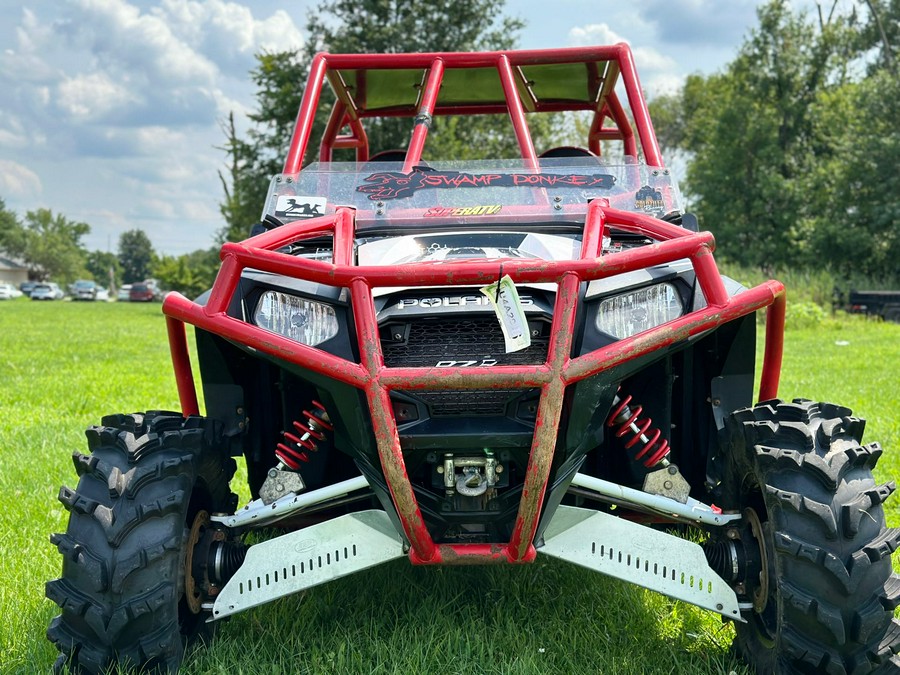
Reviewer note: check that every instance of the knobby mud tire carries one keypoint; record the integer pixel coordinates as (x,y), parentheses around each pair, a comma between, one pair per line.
(831,592)
(121,592)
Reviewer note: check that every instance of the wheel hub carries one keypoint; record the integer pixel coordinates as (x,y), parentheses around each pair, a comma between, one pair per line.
(192,591)
(760,590)
(741,559)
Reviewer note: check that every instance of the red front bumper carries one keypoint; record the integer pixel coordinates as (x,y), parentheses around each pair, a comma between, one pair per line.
(552,377)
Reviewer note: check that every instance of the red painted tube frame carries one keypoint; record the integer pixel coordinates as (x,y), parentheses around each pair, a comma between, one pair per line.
(426,110)
(505,62)
(552,377)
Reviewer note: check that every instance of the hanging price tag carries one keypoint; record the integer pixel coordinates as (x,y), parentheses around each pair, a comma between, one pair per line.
(505,299)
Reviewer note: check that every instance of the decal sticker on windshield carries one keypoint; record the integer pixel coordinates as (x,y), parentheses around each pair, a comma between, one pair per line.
(395,185)
(649,200)
(299,207)
(440,211)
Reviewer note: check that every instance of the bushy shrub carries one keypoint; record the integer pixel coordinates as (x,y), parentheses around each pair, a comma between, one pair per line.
(804,314)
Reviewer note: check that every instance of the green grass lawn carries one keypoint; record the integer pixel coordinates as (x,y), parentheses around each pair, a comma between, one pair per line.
(64,365)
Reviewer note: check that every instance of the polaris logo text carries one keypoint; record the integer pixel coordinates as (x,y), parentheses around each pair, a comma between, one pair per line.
(455,301)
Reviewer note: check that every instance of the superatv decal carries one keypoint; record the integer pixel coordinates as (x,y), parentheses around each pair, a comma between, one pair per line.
(440,211)
(395,185)
(649,200)
(299,207)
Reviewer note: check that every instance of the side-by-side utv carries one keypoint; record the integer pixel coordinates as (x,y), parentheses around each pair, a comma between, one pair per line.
(479,362)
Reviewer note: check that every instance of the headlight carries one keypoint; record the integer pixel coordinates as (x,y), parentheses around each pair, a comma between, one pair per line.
(630,313)
(305,321)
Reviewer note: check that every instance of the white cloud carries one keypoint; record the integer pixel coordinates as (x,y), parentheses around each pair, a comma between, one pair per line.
(18,181)
(594,34)
(93,96)
(158,207)
(648,59)
(227,31)
(120,37)
(12,133)
(658,72)
(180,63)
(278,33)
(150,138)
(32,33)
(663,84)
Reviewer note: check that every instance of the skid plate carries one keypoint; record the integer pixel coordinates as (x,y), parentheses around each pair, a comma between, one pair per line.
(308,557)
(638,554)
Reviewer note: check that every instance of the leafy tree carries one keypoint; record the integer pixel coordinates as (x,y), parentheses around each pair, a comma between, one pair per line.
(882,32)
(857,230)
(104,267)
(751,132)
(393,26)
(244,188)
(369,26)
(190,274)
(12,234)
(136,256)
(50,246)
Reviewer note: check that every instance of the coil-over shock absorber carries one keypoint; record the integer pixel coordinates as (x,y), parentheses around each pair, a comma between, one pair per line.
(295,449)
(652,449)
(284,478)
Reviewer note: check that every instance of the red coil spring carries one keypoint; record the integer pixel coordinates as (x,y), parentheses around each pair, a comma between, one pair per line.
(627,421)
(296,448)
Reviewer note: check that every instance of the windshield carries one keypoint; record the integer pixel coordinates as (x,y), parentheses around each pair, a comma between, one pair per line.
(477,193)
(450,246)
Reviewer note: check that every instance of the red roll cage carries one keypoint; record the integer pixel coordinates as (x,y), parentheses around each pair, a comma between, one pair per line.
(519,82)
(513,82)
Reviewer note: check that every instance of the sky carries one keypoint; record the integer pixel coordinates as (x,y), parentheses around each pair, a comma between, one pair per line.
(111,111)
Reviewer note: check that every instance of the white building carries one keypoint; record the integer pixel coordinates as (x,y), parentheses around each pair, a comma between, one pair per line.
(12,272)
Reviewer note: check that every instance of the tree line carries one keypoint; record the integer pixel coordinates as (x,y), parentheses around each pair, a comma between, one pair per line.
(51,247)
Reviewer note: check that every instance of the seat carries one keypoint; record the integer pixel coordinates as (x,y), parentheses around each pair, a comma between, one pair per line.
(398,156)
(566,151)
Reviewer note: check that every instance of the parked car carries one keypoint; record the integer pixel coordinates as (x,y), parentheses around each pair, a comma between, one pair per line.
(8,291)
(26,287)
(102,294)
(141,293)
(47,291)
(153,285)
(124,293)
(83,289)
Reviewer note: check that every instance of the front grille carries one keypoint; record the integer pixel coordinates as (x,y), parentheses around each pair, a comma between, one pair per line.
(468,402)
(445,339)
(473,342)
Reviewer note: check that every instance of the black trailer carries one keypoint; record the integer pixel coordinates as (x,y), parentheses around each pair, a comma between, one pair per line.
(885,304)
